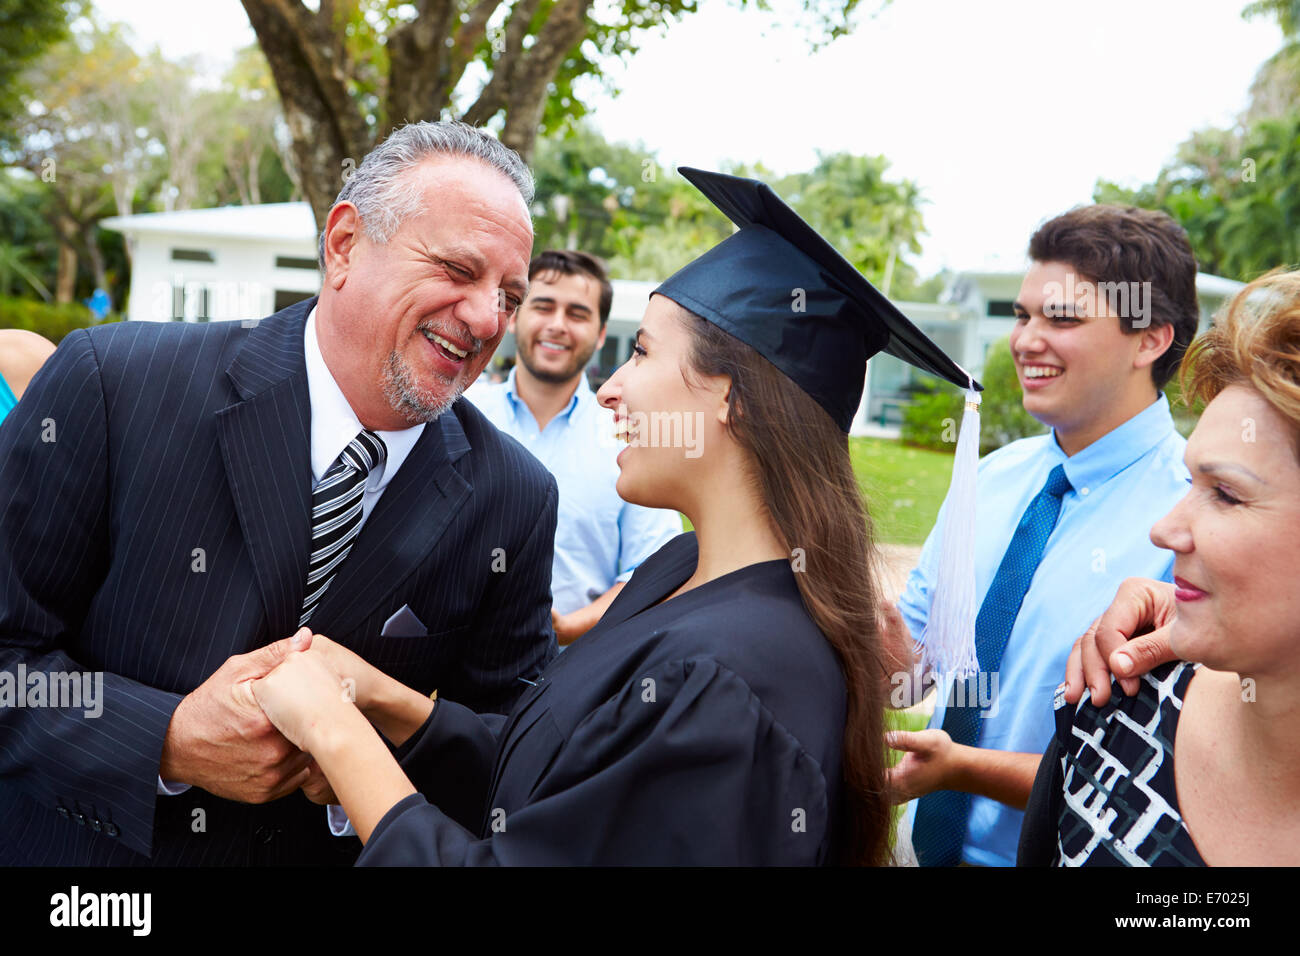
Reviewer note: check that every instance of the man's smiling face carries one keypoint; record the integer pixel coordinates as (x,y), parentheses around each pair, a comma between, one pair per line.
(1073,358)
(419,316)
(558,329)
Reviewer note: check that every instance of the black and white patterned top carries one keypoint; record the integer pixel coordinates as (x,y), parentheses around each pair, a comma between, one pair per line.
(1105,793)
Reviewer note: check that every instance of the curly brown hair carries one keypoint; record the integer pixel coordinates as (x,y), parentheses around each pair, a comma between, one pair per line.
(1255,341)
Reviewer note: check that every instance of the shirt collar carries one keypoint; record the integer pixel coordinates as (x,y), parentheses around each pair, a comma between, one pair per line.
(579,395)
(334,424)
(1118,448)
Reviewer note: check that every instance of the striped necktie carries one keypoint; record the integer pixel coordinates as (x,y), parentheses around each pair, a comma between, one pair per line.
(939,829)
(336,514)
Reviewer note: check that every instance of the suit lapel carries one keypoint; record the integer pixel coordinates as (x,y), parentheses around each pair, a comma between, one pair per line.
(408,520)
(265,444)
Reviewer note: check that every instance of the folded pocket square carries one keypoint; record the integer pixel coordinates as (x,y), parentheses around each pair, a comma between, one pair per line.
(404,624)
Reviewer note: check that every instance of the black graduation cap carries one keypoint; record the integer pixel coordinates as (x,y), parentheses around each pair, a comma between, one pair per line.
(781,288)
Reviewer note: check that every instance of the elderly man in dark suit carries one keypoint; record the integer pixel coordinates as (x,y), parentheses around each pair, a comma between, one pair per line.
(179,499)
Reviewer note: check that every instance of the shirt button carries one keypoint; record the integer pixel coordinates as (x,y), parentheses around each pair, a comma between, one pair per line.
(80,818)
(1083,491)
(111,829)
(64,812)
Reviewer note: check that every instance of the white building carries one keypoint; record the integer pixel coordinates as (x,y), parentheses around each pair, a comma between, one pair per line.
(245,262)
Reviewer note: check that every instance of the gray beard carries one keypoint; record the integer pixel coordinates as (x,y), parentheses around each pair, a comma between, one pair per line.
(406,396)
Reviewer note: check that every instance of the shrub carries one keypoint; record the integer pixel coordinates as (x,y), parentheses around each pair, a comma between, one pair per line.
(50,320)
(931,420)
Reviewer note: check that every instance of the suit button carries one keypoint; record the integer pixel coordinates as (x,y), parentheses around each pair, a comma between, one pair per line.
(80,818)
(111,829)
(96,825)
(64,812)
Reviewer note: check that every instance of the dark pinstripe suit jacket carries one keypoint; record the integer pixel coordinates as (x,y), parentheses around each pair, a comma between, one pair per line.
(156,486)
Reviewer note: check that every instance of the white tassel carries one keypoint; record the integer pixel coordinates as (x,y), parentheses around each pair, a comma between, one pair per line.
(948,641)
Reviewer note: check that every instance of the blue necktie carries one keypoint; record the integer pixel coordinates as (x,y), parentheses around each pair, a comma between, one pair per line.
(940,827)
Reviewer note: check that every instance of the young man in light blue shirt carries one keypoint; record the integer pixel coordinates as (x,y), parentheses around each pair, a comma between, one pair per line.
(1103,317)
(548,406)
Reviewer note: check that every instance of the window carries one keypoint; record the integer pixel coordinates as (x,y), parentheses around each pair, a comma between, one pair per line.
(1002,308)
(284,299)
(193,255)
(295,262)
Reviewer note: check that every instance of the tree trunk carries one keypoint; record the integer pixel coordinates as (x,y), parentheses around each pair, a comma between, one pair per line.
(90,239)
(308,63)
(66,285)
(528,82)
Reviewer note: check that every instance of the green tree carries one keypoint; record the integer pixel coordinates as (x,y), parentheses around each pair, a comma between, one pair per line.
(1237,191)
(871,220)
(27,28)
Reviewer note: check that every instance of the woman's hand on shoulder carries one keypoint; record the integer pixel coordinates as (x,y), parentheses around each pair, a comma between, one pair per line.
(1130,639)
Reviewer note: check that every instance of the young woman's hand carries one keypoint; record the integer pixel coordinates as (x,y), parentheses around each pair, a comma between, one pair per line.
(362,679)
(303,697)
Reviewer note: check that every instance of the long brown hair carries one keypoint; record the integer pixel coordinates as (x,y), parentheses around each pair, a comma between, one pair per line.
(806,482)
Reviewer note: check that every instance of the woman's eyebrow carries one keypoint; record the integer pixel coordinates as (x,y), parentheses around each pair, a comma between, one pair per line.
(1219,467)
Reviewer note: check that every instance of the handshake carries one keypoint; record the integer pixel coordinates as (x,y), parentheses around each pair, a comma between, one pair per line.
(248,731)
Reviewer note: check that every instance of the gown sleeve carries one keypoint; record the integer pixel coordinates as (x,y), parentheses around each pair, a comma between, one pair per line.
(453,753)
(684,766)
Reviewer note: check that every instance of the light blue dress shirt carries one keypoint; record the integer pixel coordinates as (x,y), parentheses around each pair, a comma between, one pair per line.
(1123,483)
(599,537)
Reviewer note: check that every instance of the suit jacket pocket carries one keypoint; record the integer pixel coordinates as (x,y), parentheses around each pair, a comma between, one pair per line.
(418,662)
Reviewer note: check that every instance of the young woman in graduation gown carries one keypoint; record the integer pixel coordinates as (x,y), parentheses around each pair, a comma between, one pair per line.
(728,707)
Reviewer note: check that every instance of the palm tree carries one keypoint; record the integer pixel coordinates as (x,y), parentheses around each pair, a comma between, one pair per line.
(14,265)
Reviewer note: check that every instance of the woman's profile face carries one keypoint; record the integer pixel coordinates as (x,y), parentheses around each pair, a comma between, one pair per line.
(667,421)
(1236,540)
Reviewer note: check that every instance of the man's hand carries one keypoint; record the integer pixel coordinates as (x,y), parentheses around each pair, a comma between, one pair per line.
(564,632)
(927,763)
(220,740)
(317,789)
(1130,639)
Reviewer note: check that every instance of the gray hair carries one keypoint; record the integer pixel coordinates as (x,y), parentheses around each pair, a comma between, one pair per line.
(384,199)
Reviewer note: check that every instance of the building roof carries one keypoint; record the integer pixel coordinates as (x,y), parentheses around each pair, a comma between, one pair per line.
(268,222)
(294,222)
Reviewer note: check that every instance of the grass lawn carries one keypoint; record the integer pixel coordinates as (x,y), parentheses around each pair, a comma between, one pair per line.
(904,487)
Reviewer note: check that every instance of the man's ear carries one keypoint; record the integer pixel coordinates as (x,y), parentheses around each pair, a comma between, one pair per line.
(342,229)
(1155,343)
(600,339)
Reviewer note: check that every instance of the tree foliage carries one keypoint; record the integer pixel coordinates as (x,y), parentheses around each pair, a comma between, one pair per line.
(623,203)
(1237,191)
(27,28)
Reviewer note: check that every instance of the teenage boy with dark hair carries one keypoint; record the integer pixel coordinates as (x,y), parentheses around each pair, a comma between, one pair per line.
(1102,320)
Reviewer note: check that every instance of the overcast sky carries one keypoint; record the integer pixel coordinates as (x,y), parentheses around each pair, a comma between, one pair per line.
(1003,111)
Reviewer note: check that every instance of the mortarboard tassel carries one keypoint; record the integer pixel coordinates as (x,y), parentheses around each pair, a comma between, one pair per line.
(948,641)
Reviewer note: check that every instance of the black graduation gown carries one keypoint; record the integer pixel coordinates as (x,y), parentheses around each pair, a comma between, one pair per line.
(704,730)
